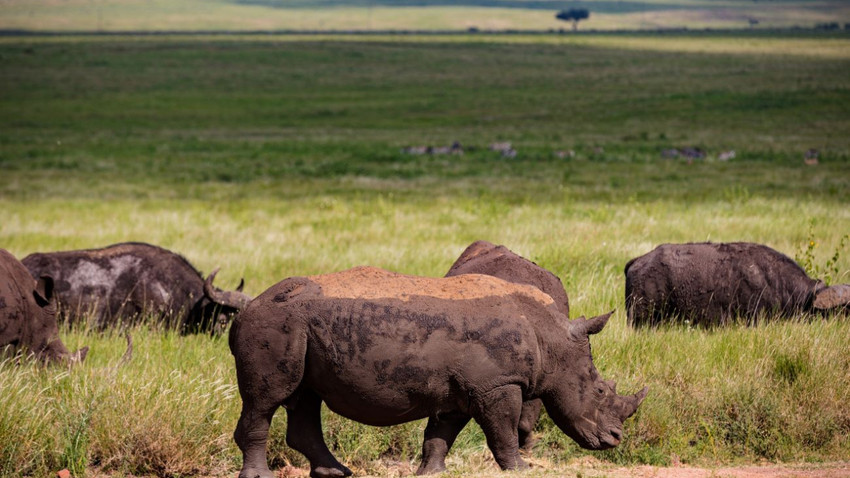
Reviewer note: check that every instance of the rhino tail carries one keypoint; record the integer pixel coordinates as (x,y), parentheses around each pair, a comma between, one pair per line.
(833,297)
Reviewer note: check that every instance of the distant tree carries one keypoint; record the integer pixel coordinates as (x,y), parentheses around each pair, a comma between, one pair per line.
(574,15)
(753,22)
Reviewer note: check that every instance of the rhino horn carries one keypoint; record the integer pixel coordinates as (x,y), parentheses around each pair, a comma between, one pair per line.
(235,299)
(832,297)
(633,402)
(78,356)
(581,328)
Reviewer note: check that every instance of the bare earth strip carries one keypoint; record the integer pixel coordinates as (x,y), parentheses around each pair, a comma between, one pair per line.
(582,467)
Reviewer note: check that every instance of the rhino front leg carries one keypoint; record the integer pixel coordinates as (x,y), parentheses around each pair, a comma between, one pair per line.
(527,420)
(440,434)
(251,435)
(304,434)
(498,412)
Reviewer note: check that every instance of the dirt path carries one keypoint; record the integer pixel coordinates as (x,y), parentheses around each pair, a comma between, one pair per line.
(588,467)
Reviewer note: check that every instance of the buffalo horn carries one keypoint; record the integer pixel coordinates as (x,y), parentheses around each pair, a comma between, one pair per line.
(234,299)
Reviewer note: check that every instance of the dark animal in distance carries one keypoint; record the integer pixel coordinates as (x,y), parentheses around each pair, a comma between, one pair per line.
(28,314)
(129,281)
(383,348)
(482,257)
(715,283)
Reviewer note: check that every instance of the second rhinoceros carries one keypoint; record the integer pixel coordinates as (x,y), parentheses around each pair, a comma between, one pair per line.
(482,257)
(383,348)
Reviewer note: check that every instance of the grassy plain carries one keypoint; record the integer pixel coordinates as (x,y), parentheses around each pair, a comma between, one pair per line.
(282,156)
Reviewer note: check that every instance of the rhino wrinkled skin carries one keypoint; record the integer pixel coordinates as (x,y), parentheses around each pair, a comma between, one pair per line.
(383,348)
(124,282)
(28,314)
(715,283)
(482,257)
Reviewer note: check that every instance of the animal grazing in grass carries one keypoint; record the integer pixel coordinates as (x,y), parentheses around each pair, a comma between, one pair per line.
(130,281)
(28,314)
(383,348)
(482,257)
(715,283)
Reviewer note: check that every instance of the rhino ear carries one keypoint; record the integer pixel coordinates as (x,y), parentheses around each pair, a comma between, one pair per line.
(581,328)
(832,297)
(43,292)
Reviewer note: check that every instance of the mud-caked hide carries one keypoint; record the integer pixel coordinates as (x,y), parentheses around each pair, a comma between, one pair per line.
(28,314)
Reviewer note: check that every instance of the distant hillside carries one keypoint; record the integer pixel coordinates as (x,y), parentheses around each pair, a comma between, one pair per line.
(366,15)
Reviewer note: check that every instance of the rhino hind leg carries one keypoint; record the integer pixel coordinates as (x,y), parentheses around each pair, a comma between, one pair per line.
(498,412)
(527,421)
(304,434)
(252,432)
(440,435)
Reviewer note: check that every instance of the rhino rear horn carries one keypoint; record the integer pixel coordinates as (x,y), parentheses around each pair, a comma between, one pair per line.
(832,297)
(581,328)
(79,356)
(234,299)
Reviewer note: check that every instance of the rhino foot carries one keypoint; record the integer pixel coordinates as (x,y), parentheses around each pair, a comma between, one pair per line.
(327,472)
(255,473)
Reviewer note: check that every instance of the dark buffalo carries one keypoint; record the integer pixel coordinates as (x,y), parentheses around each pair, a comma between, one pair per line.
(715,283)
(28,314)
(482,257)
(125,282)
(384,348)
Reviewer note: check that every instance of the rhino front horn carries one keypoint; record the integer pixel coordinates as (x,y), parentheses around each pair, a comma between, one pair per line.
(235,299)
(832,297)
(635,401)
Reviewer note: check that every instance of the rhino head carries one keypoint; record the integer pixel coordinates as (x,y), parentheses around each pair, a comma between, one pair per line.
(582,404)
(54,350)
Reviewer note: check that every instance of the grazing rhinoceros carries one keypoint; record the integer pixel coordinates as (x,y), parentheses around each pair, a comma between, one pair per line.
(714,283)
(383,348)
(482,257)
(28,314)
(129,280)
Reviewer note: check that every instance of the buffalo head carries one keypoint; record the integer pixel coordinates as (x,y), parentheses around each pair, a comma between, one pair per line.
(219,306)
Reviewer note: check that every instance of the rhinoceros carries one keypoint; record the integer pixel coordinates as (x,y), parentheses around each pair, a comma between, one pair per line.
(131,280)
(384,348)
(715,283)
(28,314)
(482,257)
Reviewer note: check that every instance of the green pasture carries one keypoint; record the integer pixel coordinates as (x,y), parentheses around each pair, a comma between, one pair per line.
(279,156)
(368,15)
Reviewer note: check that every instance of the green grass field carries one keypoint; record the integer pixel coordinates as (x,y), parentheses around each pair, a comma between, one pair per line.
(281,156)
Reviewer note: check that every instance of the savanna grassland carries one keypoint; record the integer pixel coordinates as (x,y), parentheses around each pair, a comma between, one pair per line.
(274,156)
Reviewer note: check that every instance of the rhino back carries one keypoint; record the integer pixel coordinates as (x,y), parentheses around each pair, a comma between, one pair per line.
(389,349)
(482,257)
